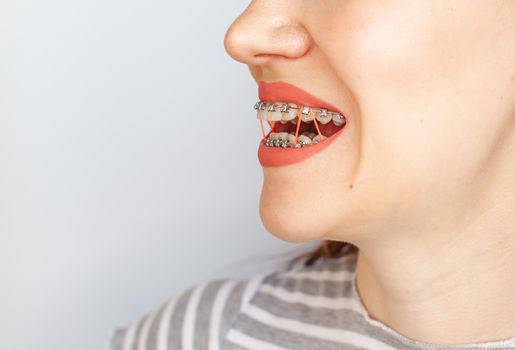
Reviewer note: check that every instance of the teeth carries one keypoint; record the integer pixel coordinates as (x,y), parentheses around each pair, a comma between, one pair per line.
(282,135)
(273,113)
(294,120)
(285,113)
(261,114)
(273,136)
(289,113)
(319,138)
(309,134)
(290,138)
(323,116)
(306,115)
(303,139)
(261,110)
(278,139)
(287,140)
(278,136)
(338,119)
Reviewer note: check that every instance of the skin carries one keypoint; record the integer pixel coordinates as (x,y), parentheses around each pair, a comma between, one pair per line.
(423,178)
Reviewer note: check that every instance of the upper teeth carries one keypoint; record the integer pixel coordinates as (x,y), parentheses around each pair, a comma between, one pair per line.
(288,112)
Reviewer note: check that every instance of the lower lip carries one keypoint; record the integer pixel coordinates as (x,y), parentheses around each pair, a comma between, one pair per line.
(277,156)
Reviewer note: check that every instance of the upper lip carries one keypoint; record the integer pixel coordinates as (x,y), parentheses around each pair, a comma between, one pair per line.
(280,91)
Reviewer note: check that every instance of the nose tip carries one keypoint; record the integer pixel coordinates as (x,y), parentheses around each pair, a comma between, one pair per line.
(254,38)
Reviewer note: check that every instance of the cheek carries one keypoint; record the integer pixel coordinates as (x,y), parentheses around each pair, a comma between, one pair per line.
(392,58)
(382,58)
(380,44)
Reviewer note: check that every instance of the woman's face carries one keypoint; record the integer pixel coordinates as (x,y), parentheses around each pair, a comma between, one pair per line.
(429,90)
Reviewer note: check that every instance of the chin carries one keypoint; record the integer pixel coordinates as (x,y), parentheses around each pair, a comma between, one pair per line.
(288,213)
(289,227)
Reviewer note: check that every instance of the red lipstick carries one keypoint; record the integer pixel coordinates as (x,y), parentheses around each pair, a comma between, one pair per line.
(288,93)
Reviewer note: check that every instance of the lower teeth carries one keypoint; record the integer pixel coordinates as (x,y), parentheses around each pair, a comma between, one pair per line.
(285,140)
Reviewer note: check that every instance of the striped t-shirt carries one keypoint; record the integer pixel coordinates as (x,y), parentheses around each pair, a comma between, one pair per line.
(301,307)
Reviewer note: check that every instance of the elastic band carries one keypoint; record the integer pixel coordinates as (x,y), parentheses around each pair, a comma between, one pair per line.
(271,127)
(298,126)
(316,125)
(262,129)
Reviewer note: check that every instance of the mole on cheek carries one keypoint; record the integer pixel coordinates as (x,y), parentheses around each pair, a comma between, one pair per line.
(350,186)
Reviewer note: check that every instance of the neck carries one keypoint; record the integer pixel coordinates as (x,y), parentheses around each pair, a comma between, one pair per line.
(451,282)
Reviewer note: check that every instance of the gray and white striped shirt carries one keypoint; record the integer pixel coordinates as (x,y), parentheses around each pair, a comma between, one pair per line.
(298,308)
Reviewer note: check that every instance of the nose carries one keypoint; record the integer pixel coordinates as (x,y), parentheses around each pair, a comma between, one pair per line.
(266,30)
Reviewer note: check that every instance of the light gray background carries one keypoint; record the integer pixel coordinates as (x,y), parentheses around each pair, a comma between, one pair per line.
(128,166)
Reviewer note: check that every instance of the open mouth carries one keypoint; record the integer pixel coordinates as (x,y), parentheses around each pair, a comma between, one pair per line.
(301,124)
(295,126)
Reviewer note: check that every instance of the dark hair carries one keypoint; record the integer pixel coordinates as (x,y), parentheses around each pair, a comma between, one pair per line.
(330,250)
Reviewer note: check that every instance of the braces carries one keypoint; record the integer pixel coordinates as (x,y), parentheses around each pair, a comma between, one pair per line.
(285,143)
(285,108)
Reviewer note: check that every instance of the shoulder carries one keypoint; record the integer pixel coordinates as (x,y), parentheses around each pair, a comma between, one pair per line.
(199,316)
(202,316)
